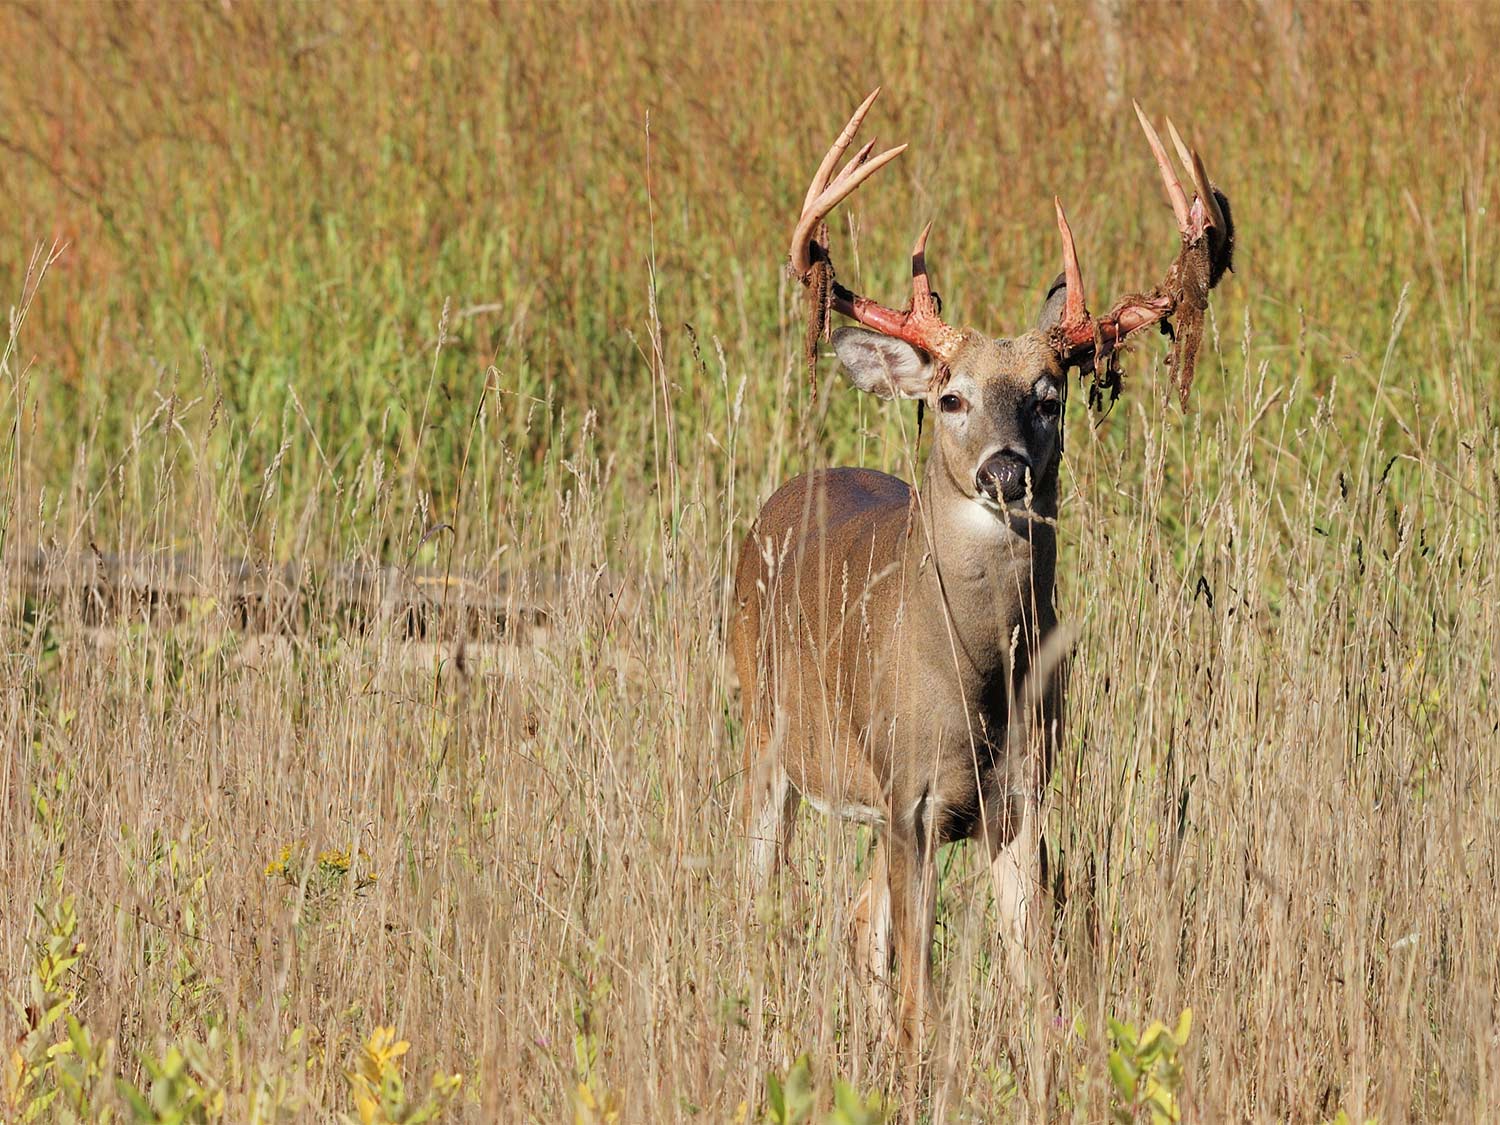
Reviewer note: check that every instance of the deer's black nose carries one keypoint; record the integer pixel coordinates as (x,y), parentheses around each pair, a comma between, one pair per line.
(1003,476)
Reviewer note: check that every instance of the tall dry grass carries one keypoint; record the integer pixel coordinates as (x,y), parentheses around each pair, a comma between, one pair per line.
(337,276)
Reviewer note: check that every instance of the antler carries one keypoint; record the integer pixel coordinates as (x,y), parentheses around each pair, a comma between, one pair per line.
(1207,251)
(920,323)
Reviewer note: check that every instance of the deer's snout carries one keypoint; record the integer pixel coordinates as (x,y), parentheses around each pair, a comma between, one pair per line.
(1003,476)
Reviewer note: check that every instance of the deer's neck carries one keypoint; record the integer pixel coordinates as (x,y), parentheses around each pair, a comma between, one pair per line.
(989,575)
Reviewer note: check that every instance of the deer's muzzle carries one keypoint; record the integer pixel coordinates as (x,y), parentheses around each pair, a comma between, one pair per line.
(1003,476)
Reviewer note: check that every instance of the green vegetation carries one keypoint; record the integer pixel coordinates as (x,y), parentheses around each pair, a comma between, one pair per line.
(1146,1071)
(499,288)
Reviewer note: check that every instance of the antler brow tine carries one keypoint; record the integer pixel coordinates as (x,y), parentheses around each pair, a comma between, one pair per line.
(1076,308)
(923,303)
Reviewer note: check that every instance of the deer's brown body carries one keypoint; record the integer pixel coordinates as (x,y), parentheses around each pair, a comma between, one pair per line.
(844,570)
(883,637)
(892,643)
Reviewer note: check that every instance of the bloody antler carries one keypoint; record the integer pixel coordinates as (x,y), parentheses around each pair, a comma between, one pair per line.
(920,323)
(1207,233)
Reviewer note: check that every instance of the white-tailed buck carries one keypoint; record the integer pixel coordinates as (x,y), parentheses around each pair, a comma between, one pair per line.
(891,641)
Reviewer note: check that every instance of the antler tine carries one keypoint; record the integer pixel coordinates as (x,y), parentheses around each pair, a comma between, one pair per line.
(1179,300)
(1182,149)
(1193,164)
(1168,176)
(831,196)
(1076,309)
(1206,193)
(845,138)
(856,160)
(922,299)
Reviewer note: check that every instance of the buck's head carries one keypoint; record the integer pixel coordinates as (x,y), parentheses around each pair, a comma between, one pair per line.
(997,403)
(996,406)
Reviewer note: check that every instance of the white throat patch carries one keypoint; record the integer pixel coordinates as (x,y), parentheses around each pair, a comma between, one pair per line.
(984,516)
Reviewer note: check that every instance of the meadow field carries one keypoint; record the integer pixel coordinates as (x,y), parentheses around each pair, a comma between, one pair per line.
(497,291)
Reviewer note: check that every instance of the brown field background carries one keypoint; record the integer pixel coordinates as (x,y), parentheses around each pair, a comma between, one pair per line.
(497,291)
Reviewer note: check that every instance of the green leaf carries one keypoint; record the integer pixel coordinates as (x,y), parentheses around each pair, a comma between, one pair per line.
(1123,1075)
(1154,1040)
(585,1054)
(139,1106)
(1163,1107)
(1184,1026)
(55,1012)
(1148,1054)
(79,1036)
(775,1099)
(849,1108)
(1123,1034)
(41,1102)
(799,1092)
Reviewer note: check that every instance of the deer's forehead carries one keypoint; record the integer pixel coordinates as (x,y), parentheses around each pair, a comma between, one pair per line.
(1007,364)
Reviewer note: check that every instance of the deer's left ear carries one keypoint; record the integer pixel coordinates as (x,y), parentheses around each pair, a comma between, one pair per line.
(883,365)
(1051,312)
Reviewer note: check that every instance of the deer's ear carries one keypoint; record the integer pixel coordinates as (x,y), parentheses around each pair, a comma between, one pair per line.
(883,365)
(1052,304)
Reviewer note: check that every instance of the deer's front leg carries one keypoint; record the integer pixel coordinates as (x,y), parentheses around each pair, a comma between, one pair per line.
(770,818)
(1014,835)
(1013,823)
(872,935)
(912,878)
(1015,841)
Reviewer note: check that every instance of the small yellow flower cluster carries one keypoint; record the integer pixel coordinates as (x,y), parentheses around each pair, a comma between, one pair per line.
(336,861)
(332,863)
(279,865)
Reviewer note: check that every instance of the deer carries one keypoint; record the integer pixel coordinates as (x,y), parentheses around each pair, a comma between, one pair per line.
(897,645)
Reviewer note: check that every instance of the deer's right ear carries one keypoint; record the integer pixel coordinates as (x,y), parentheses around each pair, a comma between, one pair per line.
(882,365)
(1051,312)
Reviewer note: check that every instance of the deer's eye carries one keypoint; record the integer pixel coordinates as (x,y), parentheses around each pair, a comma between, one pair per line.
(1049,407)
(950,404)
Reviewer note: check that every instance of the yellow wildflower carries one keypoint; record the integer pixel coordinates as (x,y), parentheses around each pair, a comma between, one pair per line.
(377,1060)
